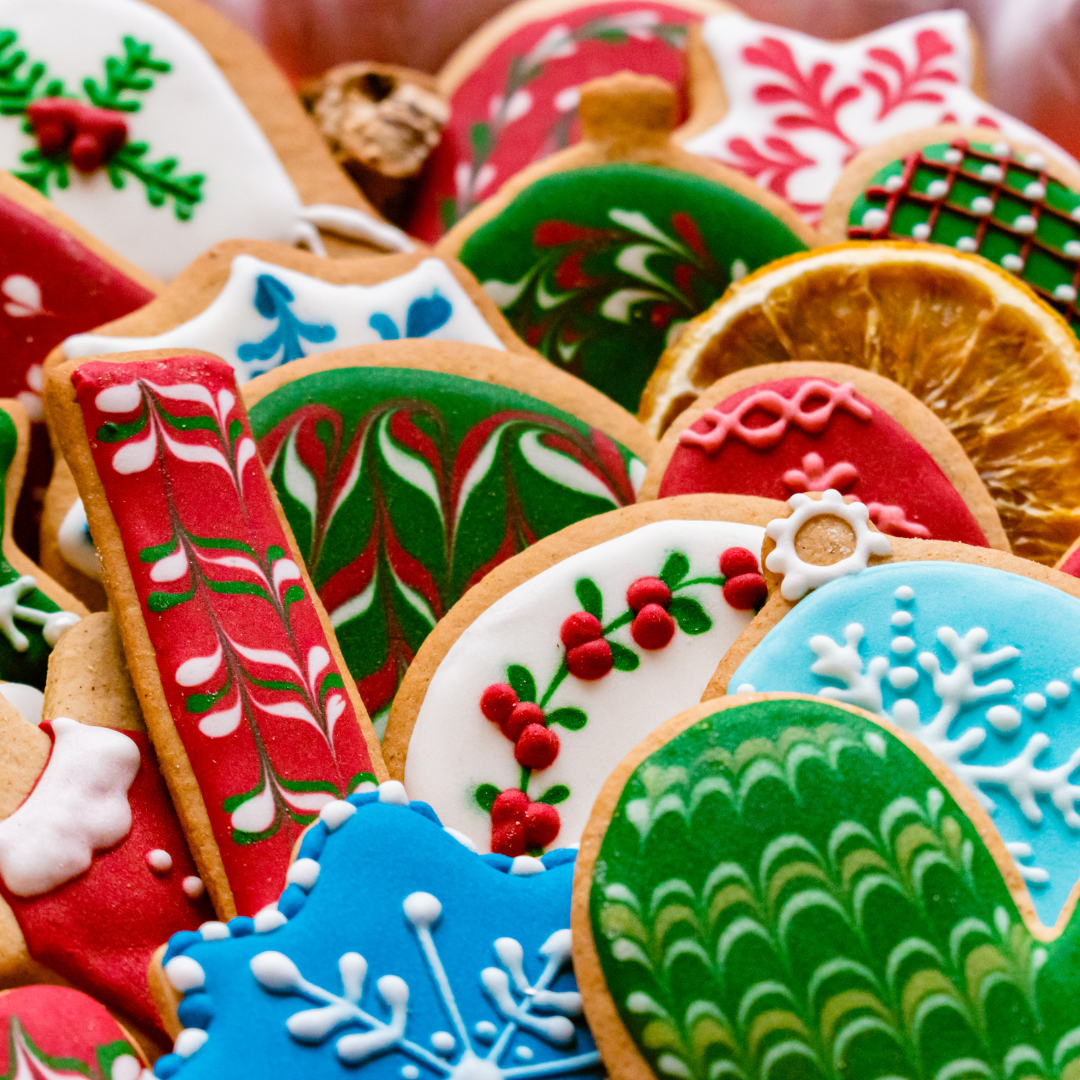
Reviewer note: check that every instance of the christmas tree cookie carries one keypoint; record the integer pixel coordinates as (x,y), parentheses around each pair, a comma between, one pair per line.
(514,88)
(599,255)
(247,698)
(394,952)
(162,129)
(783,886)
(546,673)
(973,191)
(58,1033)
(409,471)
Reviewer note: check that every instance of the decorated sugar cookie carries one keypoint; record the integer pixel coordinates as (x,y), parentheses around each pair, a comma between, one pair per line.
(94,870)
(34,609)
(599,255)
(514,88)
(245,693)
(395,951)
(782,428)
(164,131)
(550,670)
(972,342)
(790,110)
(408,472)
(59,1033)
(782,886)
(974,191)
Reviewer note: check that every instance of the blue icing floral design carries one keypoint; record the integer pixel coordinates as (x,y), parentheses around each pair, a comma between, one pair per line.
(272,301)
(395,949)
(425,315)
(980,665)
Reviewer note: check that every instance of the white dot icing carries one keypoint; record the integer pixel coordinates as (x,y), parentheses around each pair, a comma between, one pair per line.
(902,645)
(903,618)
(906,593)
(160,861)
(1057,690)
(1035,703)
(1003,717)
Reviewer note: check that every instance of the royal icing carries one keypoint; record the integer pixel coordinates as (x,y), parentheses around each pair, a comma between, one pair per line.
(404,487)
(267,315)
(76,544)
(598,268)
(812,434)
(254,694)
(590,716)
(948,652)
(785,889)
(177,162)
(78,806)
(520,103)
(28,701)
(115,887)
(981,198)
(799,108)
(56,1033)
(445,963)
(50,286)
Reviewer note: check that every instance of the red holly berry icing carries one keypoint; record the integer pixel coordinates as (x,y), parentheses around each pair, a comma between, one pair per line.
(90,135)
(653,627)
(519,824)
(537,747)
(736,560)
(521,716)
(647,590)
(497,701)
(580,628)
(541,824)
(746,591)
(590,661)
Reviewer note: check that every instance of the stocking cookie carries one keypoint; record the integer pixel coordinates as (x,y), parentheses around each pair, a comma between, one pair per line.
(934,637)
(986,355)
(241,683)
(781,886)
(162,129)
(408,472)
(790,110)
(394,949)
(89,839)
(600,254)
(514,88)
(553,667)
(790,427)
(56,1032)
(973,190)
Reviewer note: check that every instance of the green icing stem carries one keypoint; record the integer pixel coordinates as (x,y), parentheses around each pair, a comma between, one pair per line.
(1032,228)
(786,890)
(598,267)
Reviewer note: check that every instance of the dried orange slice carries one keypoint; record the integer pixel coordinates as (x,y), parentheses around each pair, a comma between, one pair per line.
(995,363)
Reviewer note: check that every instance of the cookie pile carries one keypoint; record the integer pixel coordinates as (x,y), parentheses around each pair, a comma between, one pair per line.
(622,617)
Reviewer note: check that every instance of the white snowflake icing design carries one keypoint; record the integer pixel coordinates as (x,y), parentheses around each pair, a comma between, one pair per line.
(960,686)
(459,1055)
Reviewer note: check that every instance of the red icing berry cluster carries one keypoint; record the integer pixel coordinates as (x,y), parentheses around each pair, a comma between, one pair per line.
(744,587)
(89,135)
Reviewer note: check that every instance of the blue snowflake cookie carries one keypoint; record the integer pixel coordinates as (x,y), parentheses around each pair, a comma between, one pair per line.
(394,948)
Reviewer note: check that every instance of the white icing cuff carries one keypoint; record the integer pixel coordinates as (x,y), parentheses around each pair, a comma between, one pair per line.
(356,225)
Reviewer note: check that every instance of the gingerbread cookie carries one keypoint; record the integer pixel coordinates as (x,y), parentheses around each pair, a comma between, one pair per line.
(58,1033)
(393,949)
(600,254)
(94,870)
(514,88)
(781,428)
(561,660)
(994,362)
(162,129)
(972,190)
(937,640)
(407,472)
(790,110)
(777,886)
(34,609)
(241,683)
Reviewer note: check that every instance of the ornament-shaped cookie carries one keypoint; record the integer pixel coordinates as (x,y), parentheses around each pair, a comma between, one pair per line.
(409,471)
(163,129)
(782,428)
(600,254)
(393,949)
(546,673)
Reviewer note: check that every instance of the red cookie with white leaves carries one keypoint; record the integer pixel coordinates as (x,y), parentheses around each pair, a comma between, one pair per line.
(54,1032)
(779,429)
(542,676)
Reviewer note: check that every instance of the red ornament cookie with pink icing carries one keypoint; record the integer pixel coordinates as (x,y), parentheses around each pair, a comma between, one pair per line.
(780,429)
(547,672)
